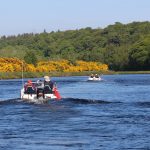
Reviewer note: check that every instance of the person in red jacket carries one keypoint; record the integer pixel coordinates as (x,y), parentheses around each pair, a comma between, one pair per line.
(30,88)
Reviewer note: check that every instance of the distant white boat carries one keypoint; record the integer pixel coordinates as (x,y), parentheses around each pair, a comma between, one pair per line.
(94,79)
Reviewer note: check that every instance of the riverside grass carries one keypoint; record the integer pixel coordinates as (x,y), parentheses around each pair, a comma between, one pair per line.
(132,72)
(18,75)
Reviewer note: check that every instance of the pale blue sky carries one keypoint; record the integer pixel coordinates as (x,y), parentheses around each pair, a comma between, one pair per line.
(26,16)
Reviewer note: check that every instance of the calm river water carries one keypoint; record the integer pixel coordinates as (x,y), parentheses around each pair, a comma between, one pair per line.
(113,114)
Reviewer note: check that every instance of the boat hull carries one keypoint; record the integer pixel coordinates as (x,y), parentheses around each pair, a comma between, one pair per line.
(33,97)
(94,79)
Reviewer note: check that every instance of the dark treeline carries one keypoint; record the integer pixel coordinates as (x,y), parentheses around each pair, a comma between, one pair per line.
(121,46)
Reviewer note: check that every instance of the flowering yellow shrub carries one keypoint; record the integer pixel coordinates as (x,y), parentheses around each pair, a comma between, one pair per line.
(10,64)
(53,65)
(74,69)
(87,66)
(31,68)
(16,65)
(45,66)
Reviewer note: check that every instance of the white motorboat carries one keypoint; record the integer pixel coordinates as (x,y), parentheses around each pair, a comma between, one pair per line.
(37,94)
(27,96)
(94,79)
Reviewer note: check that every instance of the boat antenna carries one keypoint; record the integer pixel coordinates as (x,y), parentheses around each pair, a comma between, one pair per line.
(22,75)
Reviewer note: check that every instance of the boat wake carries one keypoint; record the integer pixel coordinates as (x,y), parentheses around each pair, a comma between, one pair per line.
(63,100)
(10,101)
(144,104)
(66,101)
(87,101)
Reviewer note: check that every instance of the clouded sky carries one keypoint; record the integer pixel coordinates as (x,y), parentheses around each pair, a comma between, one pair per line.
(26,16)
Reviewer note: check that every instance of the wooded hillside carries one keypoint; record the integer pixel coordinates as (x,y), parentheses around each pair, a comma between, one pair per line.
(121,46)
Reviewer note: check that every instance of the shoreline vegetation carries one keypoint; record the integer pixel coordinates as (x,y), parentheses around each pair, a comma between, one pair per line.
(132,72)
(124,48)
(11,68)
(18,75)
(120,46)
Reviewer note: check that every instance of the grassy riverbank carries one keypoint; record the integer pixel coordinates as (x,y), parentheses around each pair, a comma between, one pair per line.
(132,72)
(17,75)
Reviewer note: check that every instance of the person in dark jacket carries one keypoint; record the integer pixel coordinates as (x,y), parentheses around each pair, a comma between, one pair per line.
(40,89)
(96,76)
(92,76)
(48,85)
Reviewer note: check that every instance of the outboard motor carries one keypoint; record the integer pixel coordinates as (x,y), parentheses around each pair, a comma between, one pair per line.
(40,93)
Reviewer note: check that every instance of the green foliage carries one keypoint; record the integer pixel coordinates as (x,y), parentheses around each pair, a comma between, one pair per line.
(30,58)
(121,46)
(140,54)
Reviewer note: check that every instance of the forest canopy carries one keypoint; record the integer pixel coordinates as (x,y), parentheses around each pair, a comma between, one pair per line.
(121,46)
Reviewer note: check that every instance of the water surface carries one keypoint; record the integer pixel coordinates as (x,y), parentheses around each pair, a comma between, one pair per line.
(108,115)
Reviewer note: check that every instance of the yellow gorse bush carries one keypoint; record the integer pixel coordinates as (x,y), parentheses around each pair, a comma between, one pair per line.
(10,65)
(16,65)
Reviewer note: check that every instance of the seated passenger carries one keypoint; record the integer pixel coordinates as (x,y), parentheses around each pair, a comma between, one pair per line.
(39,87)
(92,76)
(48,85)
(29,88)
(39,84)
(96,76)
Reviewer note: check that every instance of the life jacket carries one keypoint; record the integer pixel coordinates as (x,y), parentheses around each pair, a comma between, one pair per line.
(96,76)
(48,87)
(30,89)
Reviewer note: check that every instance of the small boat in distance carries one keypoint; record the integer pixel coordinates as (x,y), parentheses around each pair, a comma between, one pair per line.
(95,77)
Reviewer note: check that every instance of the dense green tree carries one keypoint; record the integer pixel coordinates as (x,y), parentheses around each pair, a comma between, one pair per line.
(30,58)
(140,55)
(121,46)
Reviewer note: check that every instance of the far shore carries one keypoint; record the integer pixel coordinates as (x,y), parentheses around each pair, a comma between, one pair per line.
(132,72)
(18,75)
